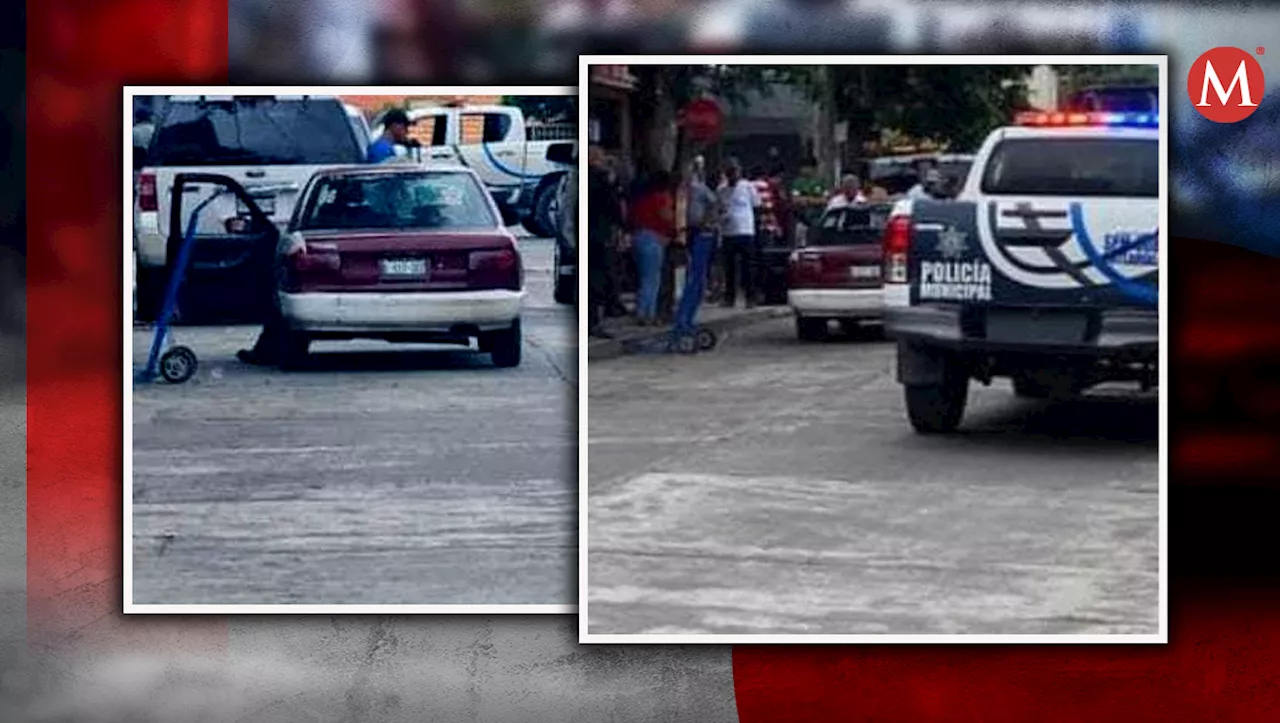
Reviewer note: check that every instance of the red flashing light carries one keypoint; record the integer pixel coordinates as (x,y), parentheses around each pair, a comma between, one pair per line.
(1056,119)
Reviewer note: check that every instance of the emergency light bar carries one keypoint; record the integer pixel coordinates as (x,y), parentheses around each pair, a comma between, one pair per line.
(1096,118)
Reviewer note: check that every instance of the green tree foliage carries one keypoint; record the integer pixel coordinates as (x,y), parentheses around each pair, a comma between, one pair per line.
(545,108)
(958,105)
(1079,77)
(955,104)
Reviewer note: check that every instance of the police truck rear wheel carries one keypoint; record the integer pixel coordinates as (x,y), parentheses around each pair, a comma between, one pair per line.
(938,408)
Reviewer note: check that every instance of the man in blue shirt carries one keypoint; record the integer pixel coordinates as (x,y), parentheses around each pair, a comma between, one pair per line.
(395,132)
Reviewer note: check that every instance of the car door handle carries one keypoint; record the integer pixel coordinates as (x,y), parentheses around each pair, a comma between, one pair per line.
(257,173)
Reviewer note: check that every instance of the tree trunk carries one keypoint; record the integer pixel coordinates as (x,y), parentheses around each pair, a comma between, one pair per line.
(824,134)
(657,117)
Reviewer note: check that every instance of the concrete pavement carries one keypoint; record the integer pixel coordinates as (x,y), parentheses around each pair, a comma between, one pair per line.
(381,475)
(774,486)
(629,338)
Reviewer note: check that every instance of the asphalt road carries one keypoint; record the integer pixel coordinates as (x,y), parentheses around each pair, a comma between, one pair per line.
(775,487)
(382,475)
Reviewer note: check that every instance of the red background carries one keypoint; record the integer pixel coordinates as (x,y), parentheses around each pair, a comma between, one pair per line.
(1225,634)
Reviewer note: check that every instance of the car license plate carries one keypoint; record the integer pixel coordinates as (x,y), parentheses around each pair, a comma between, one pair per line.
(267,204)
(864,272)
(404,268)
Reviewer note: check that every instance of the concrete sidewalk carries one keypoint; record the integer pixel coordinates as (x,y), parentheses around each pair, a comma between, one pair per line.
(627,335)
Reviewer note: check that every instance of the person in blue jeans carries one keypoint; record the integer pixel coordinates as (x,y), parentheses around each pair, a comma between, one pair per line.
(702,219)
(654,227)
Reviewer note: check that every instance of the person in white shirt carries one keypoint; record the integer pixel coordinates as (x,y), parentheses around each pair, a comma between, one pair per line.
(850,193)
(739,201)
(929,187)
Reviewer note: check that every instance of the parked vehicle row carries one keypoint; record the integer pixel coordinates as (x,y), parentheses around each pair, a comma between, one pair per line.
(493,140)
(1043,269)
(273,146)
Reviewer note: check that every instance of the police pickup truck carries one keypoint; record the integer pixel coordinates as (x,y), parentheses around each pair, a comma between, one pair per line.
(1043,269)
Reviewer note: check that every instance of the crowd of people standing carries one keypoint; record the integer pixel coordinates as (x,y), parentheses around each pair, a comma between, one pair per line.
(711,223)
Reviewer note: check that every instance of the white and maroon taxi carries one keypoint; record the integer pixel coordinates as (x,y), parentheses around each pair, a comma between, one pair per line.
(836,274)
(402,253)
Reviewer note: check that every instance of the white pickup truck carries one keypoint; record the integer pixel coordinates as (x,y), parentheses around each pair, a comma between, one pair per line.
(1044,269)
(270,144)
(493,140)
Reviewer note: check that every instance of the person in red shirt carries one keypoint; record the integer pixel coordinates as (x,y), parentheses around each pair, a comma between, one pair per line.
(653,226)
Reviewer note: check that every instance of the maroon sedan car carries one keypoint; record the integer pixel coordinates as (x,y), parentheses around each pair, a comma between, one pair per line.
(403,253)
(835,275)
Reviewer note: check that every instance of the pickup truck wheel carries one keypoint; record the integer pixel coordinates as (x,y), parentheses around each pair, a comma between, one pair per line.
(540,221)
(938,408)
(505,346)
(811,329)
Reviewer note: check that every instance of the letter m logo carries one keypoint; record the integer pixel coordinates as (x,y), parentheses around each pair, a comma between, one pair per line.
(1228,102)
(1241,78)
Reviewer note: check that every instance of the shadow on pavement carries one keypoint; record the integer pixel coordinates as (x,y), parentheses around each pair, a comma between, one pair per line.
(393,360)
(1119,419)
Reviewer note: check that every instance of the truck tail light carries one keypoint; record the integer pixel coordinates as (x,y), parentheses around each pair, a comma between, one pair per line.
(897,245)
(147,200)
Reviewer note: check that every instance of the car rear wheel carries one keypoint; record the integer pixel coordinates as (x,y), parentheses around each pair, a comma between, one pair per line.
(566,283)
(811,329)
(506,346)
(566,287)
(938,408)
(295,349)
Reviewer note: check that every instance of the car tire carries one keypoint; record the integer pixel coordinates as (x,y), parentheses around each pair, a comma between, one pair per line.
(566,285)
(539,221)
(938,408)
(506,346)
(811,329)
(566,288)
(295,351)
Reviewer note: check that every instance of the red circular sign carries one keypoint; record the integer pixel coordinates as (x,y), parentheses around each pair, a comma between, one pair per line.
(1225,84)
(702,119)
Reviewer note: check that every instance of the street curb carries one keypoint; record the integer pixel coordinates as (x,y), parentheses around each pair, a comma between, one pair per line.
(602,349)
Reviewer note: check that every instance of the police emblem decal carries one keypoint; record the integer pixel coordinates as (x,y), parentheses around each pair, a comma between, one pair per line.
(952,242)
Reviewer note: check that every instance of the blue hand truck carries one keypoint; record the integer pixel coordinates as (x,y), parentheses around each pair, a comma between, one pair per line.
(176,364)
